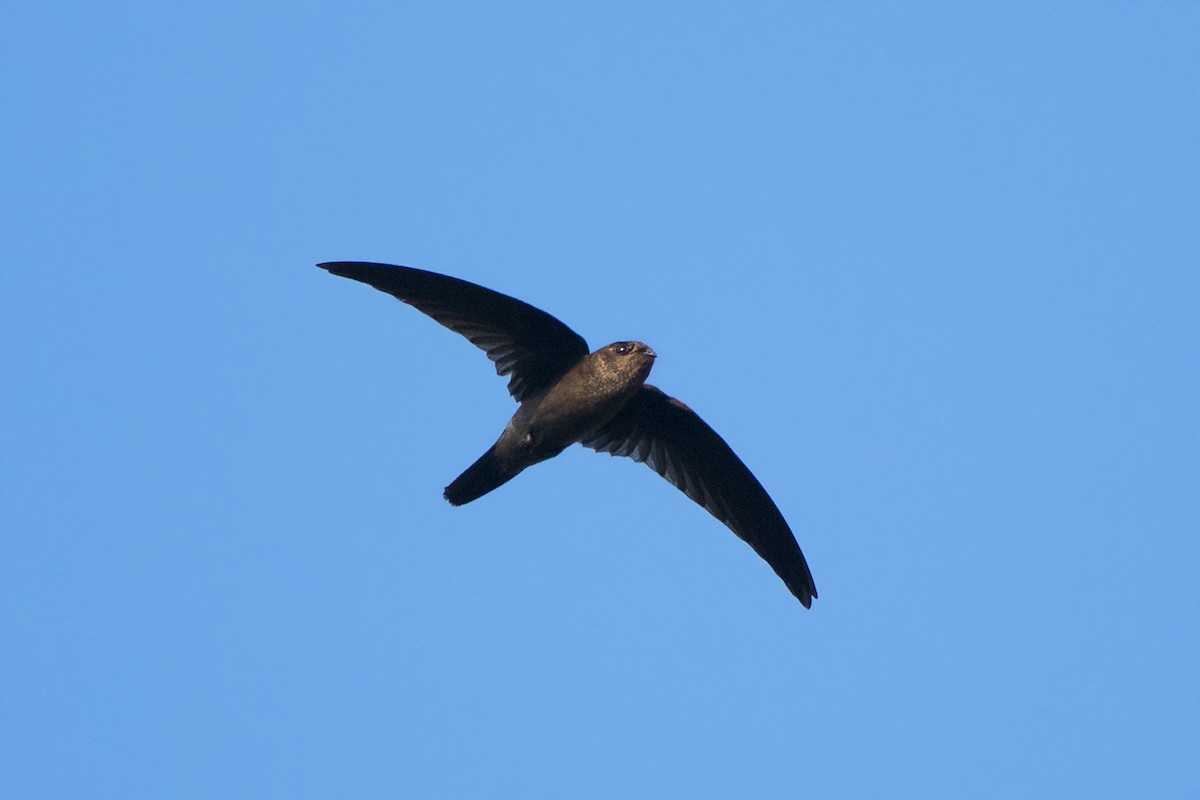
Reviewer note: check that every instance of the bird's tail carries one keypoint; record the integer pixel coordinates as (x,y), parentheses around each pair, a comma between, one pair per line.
(480,478)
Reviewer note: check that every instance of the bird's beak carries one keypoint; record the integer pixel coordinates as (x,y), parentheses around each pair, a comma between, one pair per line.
(651,353)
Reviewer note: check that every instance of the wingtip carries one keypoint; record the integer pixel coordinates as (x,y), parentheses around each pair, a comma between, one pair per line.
(804,592)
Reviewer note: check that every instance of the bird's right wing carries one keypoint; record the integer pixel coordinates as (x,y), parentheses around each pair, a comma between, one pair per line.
(673,441)
(524,342)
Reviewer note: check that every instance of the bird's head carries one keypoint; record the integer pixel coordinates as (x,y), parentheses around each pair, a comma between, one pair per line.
(630,360)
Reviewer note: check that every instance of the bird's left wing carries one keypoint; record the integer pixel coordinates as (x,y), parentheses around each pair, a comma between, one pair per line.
(524,342)
(673,441)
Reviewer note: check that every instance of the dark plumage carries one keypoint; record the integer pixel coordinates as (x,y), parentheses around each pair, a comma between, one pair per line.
(600,400)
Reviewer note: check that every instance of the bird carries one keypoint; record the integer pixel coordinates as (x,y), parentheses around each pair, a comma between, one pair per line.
(600,399)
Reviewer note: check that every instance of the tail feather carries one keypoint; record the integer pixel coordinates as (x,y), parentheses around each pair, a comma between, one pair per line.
(480,478)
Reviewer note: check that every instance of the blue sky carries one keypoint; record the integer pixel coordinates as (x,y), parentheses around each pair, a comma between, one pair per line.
(931,269)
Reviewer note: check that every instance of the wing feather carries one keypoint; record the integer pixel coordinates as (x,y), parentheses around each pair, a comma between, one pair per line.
(676,443)
(524,342)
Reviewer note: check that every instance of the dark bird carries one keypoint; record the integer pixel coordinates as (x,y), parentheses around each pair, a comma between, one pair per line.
(600,400)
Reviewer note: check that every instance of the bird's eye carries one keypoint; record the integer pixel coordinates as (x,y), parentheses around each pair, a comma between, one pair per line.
(623,349)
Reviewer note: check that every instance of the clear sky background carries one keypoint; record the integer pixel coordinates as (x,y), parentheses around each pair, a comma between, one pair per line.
(932,269)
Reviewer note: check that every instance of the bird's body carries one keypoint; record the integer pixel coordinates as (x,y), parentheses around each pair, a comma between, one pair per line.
(580,402)
(587,396)
(599,399)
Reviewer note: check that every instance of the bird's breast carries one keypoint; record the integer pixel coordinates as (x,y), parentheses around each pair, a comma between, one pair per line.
(576,405)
